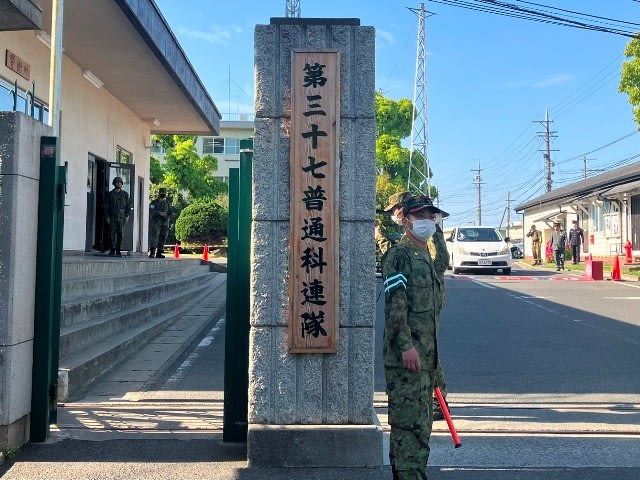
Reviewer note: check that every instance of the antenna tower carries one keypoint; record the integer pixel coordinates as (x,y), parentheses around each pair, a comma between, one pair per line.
(419,173)
(292,9)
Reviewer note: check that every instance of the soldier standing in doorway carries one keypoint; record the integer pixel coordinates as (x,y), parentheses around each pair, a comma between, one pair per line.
(536,244)
(116,212)
(158,224)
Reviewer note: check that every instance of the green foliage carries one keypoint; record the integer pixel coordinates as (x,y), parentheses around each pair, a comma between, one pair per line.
(204,221)
(630,77)
(393,117)
(157,172)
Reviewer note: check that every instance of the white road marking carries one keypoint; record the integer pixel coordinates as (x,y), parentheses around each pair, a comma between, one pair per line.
(205,342)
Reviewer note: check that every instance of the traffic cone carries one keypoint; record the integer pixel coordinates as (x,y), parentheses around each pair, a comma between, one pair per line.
(615,274)
(176,251)
(205,253)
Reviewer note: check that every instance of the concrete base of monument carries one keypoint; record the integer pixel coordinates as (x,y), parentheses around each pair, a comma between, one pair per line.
(315,446)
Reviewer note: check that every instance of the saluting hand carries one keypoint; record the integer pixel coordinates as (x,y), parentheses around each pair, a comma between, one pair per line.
(411,360)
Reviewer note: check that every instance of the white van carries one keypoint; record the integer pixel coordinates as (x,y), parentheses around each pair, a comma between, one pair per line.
(478,248)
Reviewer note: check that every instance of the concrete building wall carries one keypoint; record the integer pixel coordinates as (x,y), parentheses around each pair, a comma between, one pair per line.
(92,121)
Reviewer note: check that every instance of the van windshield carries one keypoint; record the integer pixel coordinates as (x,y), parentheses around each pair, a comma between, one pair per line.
(478,235)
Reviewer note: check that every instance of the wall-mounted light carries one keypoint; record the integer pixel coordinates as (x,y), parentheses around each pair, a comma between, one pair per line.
(44,37)
(92,79)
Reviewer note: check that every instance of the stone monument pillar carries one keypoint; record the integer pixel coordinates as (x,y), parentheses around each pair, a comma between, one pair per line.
(313,256)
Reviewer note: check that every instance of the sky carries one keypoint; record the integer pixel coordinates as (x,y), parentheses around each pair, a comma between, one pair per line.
(490,80)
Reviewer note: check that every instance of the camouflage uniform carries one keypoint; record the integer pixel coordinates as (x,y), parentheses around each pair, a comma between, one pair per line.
(412,306)
(116,208)
(536,244)
(438,249)
(158,225)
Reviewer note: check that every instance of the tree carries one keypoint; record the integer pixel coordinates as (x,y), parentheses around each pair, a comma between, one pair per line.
(157,172)
(204,221)
(392,159)
(185,169)
(630,77)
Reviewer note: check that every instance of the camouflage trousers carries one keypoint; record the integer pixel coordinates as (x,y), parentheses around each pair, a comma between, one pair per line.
(410,418)
(115,232)
(158,235)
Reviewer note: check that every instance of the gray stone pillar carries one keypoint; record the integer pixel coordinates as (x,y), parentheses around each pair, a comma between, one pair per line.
(313,410)
(19,183)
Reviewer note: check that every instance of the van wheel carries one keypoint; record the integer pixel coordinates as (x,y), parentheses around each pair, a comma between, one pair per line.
(455,270)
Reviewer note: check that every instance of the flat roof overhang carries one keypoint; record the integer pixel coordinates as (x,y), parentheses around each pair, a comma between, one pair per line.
(19,15)
(129,46)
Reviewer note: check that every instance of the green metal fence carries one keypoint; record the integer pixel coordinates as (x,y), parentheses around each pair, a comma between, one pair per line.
(236,362)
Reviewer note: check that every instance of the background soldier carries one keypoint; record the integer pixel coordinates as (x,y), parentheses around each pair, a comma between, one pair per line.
(536,244)
(384,240)
(576,238)
(158,224)
(558,243)
(412,306)
(116,212)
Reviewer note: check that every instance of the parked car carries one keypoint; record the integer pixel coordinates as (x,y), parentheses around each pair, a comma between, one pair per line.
(478,248)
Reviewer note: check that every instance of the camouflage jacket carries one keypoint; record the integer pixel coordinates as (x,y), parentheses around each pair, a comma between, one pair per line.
(117,205)
(412,304)
(155,208)
(536,236)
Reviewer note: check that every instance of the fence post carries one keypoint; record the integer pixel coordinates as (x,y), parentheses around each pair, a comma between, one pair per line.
(236,364)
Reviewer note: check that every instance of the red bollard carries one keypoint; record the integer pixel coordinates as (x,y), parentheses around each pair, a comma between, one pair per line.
(628,249)
(176,251)
(205,253)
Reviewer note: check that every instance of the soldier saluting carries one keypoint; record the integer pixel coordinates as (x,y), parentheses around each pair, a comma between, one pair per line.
(536,244)
(412,306)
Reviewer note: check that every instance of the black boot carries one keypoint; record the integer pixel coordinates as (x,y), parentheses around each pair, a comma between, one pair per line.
(152,252)
(118,253)
(112,252)
(159,254)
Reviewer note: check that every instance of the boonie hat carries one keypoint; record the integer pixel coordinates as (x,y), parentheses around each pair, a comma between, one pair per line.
(162,190)
(421,202)
(396,200)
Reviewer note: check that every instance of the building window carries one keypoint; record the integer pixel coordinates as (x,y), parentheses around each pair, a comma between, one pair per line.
(207,145)
(231,146)
(122,156)
(24,102)
(597,217)
(218,145)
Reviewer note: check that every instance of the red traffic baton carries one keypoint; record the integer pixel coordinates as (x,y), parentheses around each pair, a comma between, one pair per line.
(447,417)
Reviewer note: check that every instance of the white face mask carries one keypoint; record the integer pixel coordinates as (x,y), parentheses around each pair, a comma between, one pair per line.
(396,220)
(423,229)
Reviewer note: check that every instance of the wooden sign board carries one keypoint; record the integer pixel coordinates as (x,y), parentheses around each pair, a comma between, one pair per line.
(314,231)
(18,65)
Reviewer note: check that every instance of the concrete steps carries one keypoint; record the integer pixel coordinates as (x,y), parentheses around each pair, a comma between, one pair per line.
(111,308)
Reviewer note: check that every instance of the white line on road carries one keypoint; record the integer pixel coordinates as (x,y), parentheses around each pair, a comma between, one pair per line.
(205,342)
(478,282)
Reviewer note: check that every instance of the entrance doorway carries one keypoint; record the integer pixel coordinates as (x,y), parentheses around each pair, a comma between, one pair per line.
(100,175)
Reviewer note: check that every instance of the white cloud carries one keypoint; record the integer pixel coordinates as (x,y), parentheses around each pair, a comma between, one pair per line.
(552,80)
(384,35)
(219,34)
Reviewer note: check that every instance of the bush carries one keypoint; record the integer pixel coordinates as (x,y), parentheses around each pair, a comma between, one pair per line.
(204,221)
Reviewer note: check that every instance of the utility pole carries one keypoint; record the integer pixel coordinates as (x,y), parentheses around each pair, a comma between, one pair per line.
(508,212)
(548,135)
(478,182)
(584,161)
(292,8)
